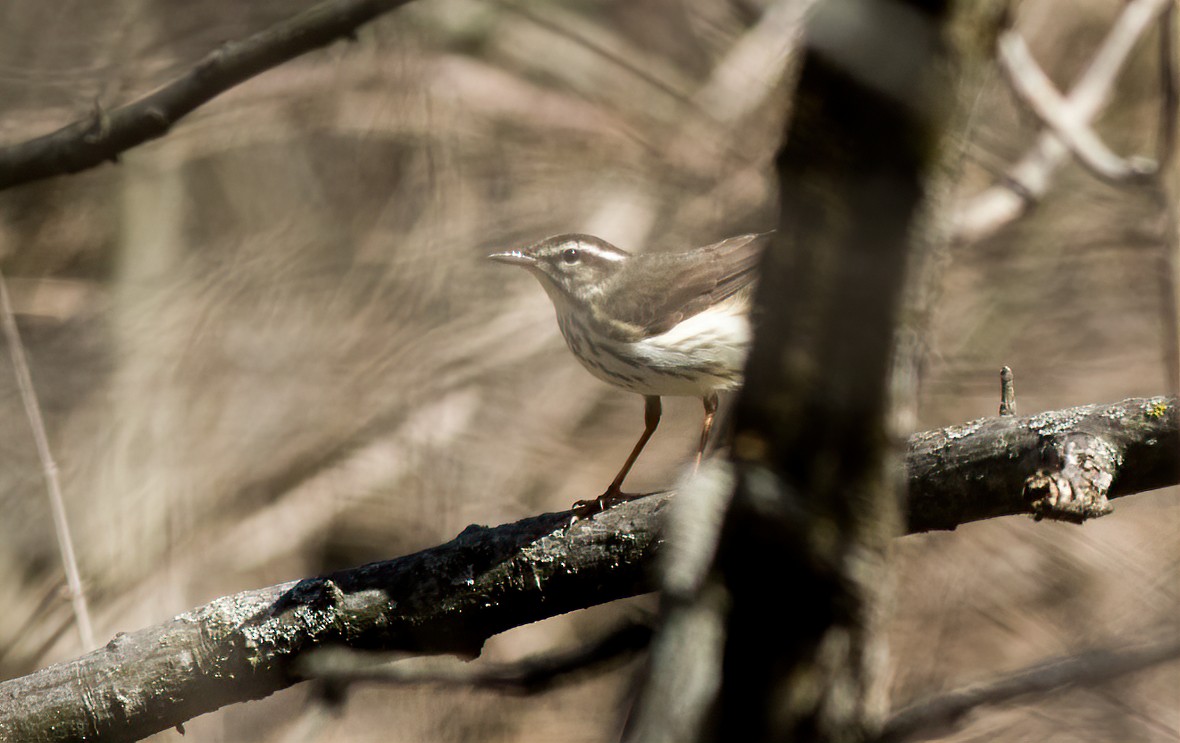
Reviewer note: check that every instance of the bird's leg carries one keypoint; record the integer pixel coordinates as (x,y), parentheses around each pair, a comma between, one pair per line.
(651,418)
(614,494)
(710,401)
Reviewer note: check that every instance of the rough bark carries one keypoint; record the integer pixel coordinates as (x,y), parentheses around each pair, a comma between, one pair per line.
(818,491)
(450,598)
(1061,464)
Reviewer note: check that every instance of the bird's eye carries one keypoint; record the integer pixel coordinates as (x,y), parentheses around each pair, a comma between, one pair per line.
(570,255)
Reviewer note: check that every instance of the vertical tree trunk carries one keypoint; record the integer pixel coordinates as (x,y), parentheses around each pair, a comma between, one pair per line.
(817,496)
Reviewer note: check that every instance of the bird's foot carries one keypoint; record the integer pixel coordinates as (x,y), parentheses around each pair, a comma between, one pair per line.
(584,509)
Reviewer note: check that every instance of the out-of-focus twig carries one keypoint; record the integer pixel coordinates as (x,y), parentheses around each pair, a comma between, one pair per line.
(1084,669)
(1169,85)
(1037,92)
(57,506)
(531,675)
(1168,190)
(984,214)
(104,135)
(759,65)
(751,70)
(38,616)
(525,11)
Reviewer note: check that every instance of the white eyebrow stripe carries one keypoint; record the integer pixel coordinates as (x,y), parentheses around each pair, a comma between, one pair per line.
(596,251)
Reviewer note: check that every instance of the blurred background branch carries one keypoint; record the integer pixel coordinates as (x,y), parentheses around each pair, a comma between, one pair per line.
(1028,181)
(339,667)
(49,470)
(940,714)
(1036,91)
(104,135)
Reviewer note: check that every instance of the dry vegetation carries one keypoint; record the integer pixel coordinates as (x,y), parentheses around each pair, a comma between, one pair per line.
(267,345)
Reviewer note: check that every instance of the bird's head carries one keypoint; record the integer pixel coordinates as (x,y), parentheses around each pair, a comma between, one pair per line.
(572,268)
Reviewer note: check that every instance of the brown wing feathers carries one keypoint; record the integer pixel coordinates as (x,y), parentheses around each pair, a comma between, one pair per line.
(658,291)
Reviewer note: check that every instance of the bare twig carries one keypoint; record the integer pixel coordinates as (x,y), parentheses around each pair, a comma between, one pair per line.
(57,506)
(525,11)
(751,69)
(1084,669)
(1169,85)
(1029,180)
(538,673)
(103,135)
(1168,191)
(1007,393)
(41,610)
(1037,92)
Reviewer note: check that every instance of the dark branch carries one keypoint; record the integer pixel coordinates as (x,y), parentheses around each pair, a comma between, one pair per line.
(937,714)
(105,134)
(448,599)
(1061,464)
(451,598)
(818,491)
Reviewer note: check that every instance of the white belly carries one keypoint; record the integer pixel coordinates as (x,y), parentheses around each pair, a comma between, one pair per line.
(703,354)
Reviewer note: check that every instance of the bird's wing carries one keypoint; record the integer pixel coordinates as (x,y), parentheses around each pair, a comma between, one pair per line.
(687,283)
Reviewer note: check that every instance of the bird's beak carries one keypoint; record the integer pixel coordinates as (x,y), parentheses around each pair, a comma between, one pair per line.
(513,257)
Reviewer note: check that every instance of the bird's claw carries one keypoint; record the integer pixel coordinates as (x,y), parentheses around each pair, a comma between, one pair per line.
(585,509)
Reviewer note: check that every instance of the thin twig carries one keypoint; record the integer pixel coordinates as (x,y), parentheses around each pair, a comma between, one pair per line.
(526,12)
(1168,189)
(1036,91)
(103,135)
(531,675)
(1084,669)
(753,67)
(38,616)
(1007,392)
(61,527)
(1169,93)
(984,214)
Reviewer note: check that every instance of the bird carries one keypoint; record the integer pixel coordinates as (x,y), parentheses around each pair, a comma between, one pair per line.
(656,324)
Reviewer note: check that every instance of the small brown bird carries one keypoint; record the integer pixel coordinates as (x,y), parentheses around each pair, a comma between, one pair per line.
(655,324)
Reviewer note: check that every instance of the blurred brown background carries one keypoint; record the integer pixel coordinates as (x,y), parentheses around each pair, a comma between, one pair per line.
(267,345)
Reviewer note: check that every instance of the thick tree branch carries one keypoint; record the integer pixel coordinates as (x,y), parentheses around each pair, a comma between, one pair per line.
(448,599)
(1061,464)
(105,134)
(451,598)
